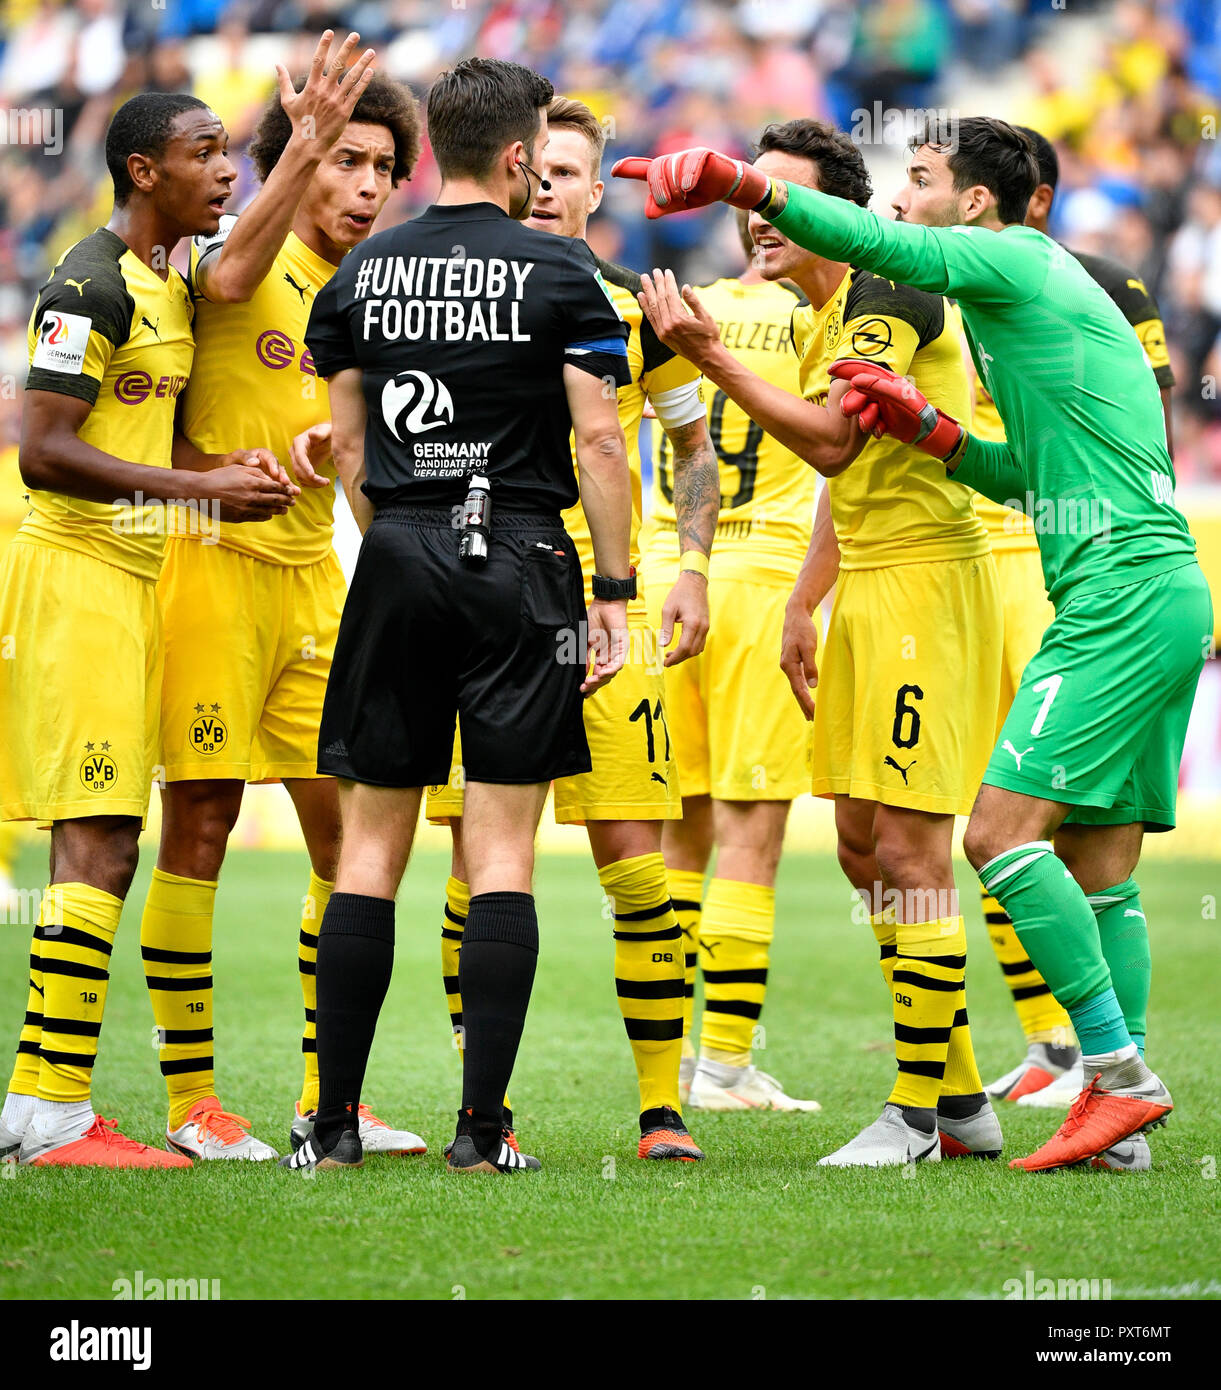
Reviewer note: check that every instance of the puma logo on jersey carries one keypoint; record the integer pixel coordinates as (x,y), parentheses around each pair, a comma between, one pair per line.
(299,288)
(79,285)
(888,761)
(1017,757)
(657,777)
(153,326)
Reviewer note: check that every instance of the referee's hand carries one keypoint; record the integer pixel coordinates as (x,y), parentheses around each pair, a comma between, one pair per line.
(607,649)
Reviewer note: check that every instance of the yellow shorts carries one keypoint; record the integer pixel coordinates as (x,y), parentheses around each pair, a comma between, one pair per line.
(634,774)
(908,685)
(739,732)
(248,647)
(1027,615)
(80,684)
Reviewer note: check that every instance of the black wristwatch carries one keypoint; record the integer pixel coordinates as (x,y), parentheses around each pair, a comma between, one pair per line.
(614,589)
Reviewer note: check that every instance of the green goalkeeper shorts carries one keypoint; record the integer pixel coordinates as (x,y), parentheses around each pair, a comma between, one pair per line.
(1100,717)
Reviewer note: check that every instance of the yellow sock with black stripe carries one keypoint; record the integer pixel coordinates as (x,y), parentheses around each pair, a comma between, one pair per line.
(312,907)
(24,1081)
(883,924)
(735,943)
(962,1076)
(457,905)
(1042,1019)
(930,966)
(649,972)
(686,891)
(176,947)
(76,938)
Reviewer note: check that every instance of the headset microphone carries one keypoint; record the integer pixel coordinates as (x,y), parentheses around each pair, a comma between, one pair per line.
(544,184)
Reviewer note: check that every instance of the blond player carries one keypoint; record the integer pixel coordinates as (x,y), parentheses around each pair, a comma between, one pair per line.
(743,748)
(633,787)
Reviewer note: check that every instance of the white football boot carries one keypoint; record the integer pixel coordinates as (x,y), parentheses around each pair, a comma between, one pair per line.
(889,1142)
(1042,1065)
(971,1136)
(212,1132)
(1130,1155)
(10,1142)
(376,1136)
(686,1075)
(1060,1094)
(720,1086)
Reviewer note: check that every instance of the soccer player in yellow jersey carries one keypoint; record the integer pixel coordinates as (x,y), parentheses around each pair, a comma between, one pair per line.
(14,507)
(633,786)
(904,718)
(1050,1073)
(743,748)
(251,621)
(110,347)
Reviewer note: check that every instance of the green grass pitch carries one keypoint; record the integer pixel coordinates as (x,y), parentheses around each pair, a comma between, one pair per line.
(757,1220)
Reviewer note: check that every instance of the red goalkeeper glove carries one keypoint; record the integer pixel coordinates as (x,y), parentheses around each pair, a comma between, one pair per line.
(695,178)
(886,403)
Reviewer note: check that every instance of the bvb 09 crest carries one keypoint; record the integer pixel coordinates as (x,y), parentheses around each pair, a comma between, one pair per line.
(99,771)
(207,734)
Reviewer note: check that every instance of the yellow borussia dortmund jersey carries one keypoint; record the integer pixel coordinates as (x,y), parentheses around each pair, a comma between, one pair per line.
(654,369)
(767,492)
(110,331)
(254,386)
(14,495)
(894,505)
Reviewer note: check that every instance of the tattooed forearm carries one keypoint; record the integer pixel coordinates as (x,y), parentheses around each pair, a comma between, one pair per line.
(697,486)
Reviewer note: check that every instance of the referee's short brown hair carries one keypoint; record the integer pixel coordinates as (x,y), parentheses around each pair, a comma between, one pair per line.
(477,108)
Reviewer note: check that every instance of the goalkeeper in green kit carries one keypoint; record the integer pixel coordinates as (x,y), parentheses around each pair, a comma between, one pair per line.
(1088,758)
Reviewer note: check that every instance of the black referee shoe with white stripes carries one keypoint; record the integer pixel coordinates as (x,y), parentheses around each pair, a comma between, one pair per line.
(480,1147)
(347,1153)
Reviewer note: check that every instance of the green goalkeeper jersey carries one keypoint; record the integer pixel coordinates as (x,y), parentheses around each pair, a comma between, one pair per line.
(1086,455)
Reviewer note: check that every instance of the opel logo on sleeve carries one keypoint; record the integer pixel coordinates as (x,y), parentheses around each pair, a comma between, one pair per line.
(414,403)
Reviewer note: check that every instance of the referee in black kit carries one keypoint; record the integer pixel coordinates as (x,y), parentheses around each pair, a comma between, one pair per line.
(461,349)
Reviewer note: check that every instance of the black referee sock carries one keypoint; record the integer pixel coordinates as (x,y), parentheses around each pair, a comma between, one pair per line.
(495,976)
(355,959)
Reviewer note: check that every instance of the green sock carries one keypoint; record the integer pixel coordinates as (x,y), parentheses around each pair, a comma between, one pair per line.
(1053,919)
(1124,934)
(1056,925)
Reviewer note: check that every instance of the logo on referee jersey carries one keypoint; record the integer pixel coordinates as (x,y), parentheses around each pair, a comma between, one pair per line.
(99,771)
(414,403)
(207,734)
(871,339)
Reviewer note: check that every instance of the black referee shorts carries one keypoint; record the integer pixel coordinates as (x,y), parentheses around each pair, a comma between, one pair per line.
(426,637)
